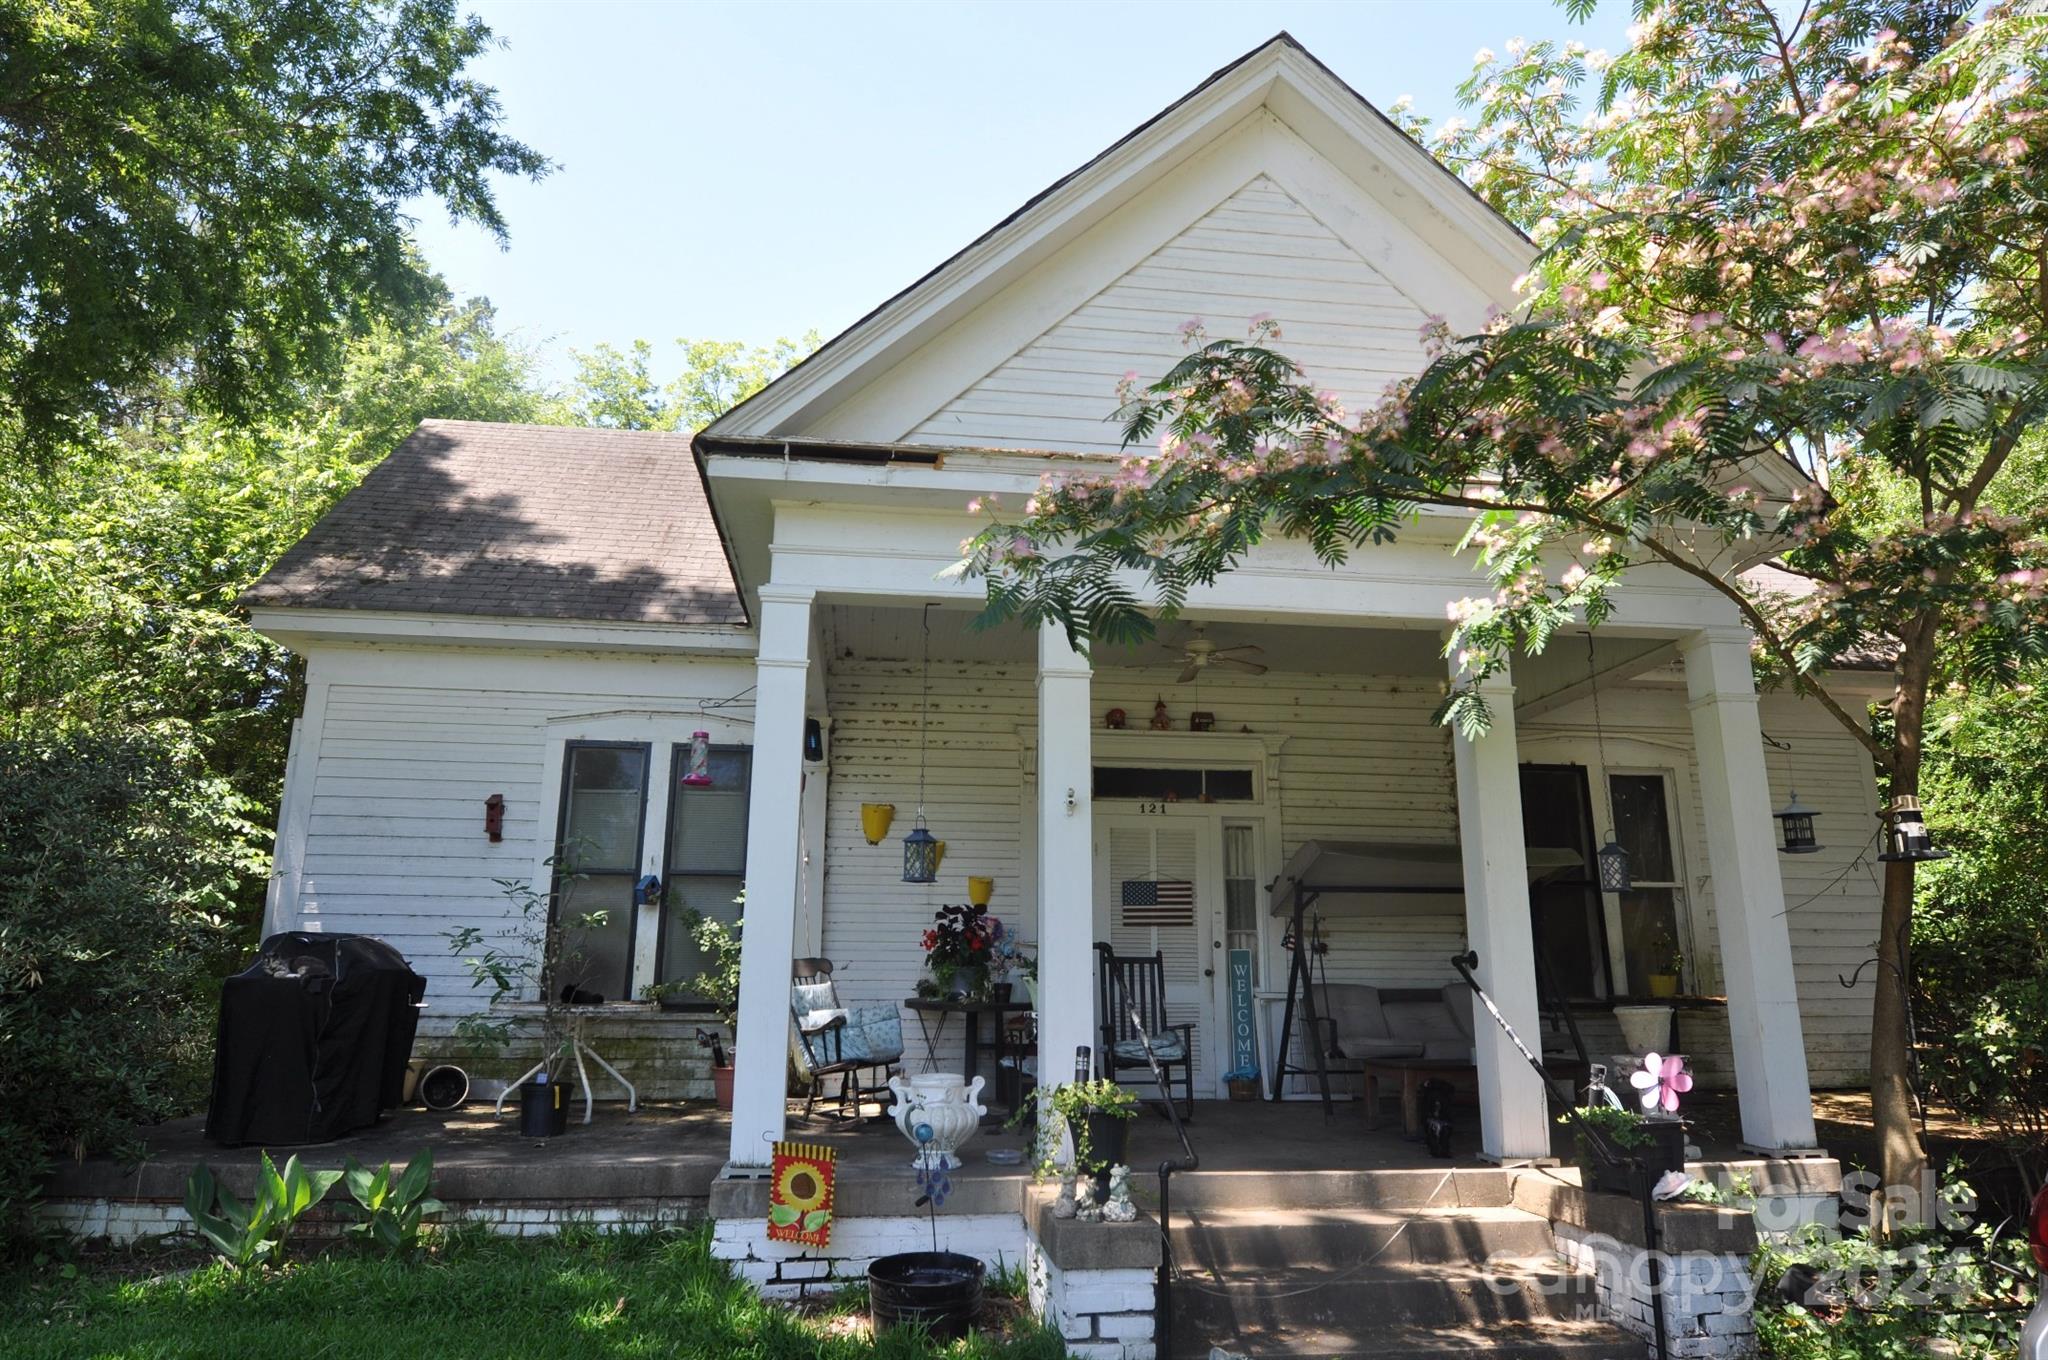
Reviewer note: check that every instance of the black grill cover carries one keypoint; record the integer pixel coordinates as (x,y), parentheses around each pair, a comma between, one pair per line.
(313,1040)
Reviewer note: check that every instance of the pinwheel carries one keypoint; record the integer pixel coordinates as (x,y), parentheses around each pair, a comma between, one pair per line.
(1662,1081)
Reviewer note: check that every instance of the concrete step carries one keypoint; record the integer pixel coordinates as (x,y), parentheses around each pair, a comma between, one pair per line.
(1382,1297)
(1547,1340)
(1400,1189)
(1231,1243)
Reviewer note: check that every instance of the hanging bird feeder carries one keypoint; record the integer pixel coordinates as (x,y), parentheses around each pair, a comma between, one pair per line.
(1905,833)
(1795,827)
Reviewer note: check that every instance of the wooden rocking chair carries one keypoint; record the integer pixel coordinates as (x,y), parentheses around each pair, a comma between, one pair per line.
(1138,982)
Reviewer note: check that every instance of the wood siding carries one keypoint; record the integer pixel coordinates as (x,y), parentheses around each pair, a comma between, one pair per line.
(1259,250)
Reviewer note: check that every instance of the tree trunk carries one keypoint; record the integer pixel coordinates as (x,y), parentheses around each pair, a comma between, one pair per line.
(1902,1160)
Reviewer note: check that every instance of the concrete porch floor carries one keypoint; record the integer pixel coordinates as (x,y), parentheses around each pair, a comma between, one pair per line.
(676,1151)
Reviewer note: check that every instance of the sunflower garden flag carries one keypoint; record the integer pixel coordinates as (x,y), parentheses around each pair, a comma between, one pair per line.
(800,1194)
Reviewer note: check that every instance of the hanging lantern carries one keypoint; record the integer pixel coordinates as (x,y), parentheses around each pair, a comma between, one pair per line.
(698,774)
(920,855)
(1905,832)
(1795,827)
(1613,862)
(921,849)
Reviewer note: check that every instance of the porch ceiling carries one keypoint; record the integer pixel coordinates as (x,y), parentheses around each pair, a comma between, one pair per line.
(892,633)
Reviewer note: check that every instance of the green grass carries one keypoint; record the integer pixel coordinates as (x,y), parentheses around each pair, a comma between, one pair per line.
(582,1295)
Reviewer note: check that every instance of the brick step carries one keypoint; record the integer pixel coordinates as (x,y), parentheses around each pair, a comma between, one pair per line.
(1231,1242)
(1406,1188)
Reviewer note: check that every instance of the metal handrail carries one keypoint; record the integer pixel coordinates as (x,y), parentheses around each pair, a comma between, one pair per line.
(1614,1156)
(1162,1324)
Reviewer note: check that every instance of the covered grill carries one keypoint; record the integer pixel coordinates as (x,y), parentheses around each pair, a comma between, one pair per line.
(313,1040)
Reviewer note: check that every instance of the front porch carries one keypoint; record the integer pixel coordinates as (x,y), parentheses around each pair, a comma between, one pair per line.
(1004,740)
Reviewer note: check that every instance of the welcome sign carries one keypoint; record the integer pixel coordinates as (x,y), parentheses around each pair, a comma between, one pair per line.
(1244,1036)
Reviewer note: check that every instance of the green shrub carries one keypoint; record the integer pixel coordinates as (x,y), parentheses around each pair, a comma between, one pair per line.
(117,865)
(251,1234)
(391,1209)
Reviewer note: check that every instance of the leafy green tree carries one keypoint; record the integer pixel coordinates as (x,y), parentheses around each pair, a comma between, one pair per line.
(1814,237)
(617,388)
(212,194)
(118,578)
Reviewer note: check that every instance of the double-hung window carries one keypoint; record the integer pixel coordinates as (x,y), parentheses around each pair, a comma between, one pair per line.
(707,855)
(1653,920)
(604,816)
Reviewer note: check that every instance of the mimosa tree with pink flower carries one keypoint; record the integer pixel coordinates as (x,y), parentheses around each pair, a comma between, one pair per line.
(1765,234)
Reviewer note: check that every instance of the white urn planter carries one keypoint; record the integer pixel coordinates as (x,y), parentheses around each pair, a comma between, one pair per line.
(1644,1029)
(949,1110)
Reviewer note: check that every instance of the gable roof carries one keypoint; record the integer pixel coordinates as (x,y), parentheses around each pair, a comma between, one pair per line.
(1279,76)
(518,521)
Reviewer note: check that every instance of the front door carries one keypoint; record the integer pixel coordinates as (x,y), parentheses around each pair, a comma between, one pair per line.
(1155,891)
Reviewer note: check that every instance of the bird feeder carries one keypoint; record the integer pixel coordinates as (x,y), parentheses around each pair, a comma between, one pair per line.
(698,773)
(1905,833)
(1795,827)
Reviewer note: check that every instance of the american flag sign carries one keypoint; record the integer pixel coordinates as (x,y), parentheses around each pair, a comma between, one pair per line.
(1153,903)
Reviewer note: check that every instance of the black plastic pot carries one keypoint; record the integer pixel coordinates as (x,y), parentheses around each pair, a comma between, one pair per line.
(939,1290)
(1109,1142)
(1664,1152)
(544,1109)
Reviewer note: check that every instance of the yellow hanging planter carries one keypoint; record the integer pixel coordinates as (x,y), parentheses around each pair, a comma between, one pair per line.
(875,819)
(979,889)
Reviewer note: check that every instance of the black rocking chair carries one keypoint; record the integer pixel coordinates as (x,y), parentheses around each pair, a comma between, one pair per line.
(1138,981)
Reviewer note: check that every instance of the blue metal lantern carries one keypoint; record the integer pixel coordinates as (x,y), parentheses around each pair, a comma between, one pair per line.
(1612,861)
(920,855)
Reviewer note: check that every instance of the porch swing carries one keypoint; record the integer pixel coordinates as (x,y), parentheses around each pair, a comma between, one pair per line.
(1362,879)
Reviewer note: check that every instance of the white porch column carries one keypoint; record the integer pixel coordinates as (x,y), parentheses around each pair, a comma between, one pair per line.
(1749,896)
(1066,849)
(767,942)
(1514,1118)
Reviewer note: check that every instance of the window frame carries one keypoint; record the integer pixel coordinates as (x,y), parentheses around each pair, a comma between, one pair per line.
(568,780)
(679,755)
(1681,895)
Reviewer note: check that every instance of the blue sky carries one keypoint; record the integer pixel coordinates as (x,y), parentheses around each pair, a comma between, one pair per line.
(749,171)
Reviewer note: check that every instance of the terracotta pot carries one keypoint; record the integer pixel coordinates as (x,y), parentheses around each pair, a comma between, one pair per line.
(721,1086)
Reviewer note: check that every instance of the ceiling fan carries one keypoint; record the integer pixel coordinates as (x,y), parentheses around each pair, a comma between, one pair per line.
(1198,653)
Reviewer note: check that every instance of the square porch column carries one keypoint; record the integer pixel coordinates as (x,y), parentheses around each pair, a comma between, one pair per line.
(768,939)
(1066,858)
(1514,1115)
(1749,896)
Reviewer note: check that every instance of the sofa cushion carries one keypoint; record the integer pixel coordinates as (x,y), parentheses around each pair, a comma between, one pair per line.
(873,1034)
(1354,1015)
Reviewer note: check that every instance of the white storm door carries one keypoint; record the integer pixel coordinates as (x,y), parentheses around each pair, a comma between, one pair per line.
(1151,895)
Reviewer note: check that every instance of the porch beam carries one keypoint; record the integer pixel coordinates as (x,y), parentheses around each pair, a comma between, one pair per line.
(1514,1119)
(1066,876)
(1652,655)
(1749,896)
(774,844)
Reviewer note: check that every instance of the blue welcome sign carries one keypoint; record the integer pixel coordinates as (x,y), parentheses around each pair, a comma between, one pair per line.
(1244,1035)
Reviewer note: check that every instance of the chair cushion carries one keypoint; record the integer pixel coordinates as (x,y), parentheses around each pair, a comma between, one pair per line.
(1353,1010)
(1458,1000)
(1165,1047)
(873,1034)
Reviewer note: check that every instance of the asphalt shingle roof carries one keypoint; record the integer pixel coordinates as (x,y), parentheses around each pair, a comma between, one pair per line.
(521,521)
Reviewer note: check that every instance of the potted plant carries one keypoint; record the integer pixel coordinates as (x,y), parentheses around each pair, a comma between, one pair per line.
(536,960)
(1667,965)
(718,987)
(957,947)
(1243,1083)
(1097,1115)
(1658,1143)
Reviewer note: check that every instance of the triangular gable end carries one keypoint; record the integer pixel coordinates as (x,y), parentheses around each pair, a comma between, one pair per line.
(1259,252)
(1273,187)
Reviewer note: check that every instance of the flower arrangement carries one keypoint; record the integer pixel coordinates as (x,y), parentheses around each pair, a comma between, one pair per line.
(960,939)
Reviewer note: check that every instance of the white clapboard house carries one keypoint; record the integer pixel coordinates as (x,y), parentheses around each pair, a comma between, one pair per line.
(547,615)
